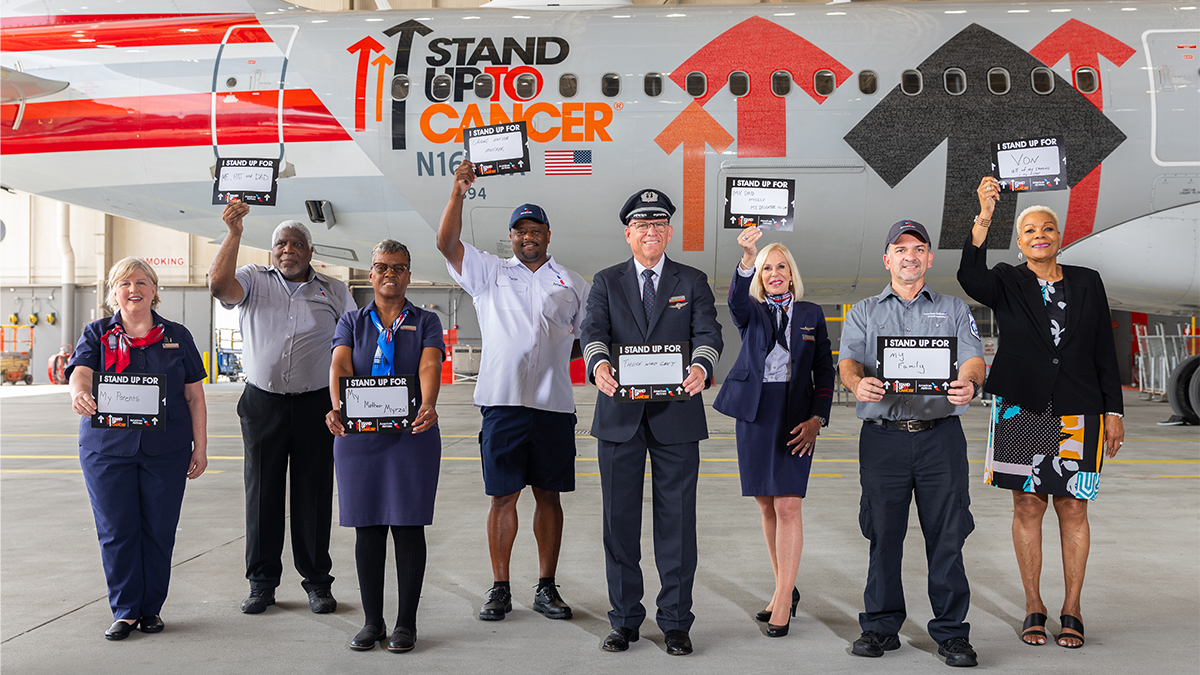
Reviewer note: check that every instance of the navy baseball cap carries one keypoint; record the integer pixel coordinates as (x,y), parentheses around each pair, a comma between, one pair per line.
(528,212)
(906,227)
(645,204)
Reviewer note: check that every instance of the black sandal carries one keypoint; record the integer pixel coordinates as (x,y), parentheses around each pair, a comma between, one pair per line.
(1035,626)
(1074,624)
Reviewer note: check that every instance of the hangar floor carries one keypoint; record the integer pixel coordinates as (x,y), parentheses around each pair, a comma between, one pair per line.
(1141,599)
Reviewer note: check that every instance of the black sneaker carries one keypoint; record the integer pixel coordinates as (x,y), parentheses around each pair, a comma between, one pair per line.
(498,603)
(958,652)
(548,602)
(874,644)
(258,600)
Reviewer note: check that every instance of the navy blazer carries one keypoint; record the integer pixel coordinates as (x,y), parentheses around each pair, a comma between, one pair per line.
(1081,372)
(684,311)
(181,364)
(811,358)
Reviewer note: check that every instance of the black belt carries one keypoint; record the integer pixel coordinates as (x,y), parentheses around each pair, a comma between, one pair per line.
(909,425)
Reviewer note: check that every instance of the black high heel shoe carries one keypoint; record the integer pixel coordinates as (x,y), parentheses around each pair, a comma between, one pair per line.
(765,615)
(778,631)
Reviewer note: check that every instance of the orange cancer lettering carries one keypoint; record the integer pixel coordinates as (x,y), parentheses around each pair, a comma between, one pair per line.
(528,114)
(452,134)
(571,119)
(595,126)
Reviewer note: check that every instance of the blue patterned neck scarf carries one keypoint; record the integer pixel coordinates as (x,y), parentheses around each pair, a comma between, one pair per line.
(778,304)
(385,346)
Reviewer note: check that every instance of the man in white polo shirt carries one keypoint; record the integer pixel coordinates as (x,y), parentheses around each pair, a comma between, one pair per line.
(530,310)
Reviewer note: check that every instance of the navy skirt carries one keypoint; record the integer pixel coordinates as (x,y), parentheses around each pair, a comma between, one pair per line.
(765,462)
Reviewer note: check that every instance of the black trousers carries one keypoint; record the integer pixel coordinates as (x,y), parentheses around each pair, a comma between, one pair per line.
(894,465)
(278,429)
(674,469)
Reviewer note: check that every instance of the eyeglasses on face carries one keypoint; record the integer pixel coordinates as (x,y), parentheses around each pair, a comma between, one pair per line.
(382,269)
(643,226)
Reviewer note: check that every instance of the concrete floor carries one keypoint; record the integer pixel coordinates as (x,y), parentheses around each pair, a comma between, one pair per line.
(1141,600)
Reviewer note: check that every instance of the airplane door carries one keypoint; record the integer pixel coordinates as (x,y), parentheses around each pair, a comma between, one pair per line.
(247,91)
(1174,60)
(829,226)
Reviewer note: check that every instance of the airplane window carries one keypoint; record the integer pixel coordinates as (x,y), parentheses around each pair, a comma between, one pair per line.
(998,81)
(400,87)
(1043,80)
(781,83)
(868,82)
(231,82)
(739,83)
(610,84)
(652,84)
(526,85)
(1086,81)
(484,85)
(697,84)
(568,86)
(824,82)
(441,87)
(911,82)
(955,81)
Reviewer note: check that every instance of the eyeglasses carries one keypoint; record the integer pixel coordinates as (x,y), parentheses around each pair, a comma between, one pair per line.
(644,226)
(382,269)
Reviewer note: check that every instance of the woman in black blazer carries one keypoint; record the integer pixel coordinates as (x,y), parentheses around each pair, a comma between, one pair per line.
(780,391)
(1058,406)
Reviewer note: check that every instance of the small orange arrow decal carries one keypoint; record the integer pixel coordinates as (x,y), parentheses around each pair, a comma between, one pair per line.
(383,62)
(693,128)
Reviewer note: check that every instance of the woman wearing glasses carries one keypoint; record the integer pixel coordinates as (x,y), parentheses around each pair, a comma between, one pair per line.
(387,481)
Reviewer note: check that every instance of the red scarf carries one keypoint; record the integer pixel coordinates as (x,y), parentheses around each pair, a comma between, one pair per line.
(117,343)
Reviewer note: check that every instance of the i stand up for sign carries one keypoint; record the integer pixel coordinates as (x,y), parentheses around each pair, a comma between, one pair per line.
(924,366)
(651,372)
(129,401)
(253,181)
(769,203)
(1030,164)
(379,405)
(498,149)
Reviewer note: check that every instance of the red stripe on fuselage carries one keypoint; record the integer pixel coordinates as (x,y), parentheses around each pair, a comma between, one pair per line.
(105,32)
(166,121)
(63,19)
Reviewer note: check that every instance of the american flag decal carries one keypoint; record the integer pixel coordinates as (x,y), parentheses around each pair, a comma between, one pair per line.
(568,162)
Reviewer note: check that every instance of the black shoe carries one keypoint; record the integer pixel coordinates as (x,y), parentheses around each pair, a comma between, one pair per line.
(498,603)
(765,615)
(678,643)
(618,640)
(258,600)
(778,631)
(875,644)
(549,603)
(151,624)
(403,640)
(367,637)
(118,631)
(958,652)
(321,601)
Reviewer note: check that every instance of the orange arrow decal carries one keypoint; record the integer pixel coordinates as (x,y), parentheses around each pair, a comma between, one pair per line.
(364,47)
(693,128)
(383,61)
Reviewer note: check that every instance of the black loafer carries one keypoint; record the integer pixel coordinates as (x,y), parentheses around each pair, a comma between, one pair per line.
(958,652)
(550,604)
(498,603)
(678,643)
(118,631)
(321,601)
(151,624)
(874,644)
(258,600)
(618,640)
(402,640)
(367,637)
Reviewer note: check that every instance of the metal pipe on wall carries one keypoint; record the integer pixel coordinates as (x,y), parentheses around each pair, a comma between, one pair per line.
(67,261)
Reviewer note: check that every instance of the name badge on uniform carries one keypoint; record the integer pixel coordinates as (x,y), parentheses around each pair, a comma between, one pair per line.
(170,345)
(408,328)
(677,302)
(808,337)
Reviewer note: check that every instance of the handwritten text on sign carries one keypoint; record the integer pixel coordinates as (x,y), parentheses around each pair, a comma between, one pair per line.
(921,365)
(651,372)
(498,149)
(125,401)
(384,404)
(769,203)
(1030,164)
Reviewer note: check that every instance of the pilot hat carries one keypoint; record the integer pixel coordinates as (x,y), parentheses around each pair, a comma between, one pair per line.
(906,227)
(528,212)
(645,204)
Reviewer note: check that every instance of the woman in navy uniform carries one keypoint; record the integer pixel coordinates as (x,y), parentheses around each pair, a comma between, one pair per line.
(388,481)
(136,477)
(780,390)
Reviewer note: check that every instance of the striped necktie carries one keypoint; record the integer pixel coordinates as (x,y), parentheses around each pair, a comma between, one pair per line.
(648,294)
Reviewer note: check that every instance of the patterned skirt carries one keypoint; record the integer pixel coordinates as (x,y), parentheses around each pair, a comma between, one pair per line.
(1041,452)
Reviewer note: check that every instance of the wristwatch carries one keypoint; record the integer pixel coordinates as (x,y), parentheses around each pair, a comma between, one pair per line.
(976,386)
(824,422)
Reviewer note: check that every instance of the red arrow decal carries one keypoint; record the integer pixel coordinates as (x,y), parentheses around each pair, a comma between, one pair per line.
(693,128)
(364,47)
(759,48)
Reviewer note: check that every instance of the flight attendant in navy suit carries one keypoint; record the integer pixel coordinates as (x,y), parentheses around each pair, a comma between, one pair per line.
(649,299)
(136,478)
(780,391)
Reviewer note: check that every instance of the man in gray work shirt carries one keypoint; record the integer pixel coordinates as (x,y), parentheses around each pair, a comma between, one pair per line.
(912,443)
(287,313)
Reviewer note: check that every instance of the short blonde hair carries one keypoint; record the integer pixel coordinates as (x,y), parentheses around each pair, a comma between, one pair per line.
(123,269)
(756,286)
(1040,209)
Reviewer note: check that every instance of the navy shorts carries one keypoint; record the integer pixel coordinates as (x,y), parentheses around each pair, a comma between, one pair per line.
(523,446)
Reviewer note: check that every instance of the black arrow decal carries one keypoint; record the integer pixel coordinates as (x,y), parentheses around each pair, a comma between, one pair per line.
(403,49)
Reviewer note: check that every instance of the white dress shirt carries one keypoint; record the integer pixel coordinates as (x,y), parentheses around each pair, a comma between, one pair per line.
(658,268)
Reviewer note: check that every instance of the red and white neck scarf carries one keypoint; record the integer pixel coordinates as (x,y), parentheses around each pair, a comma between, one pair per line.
(117,344)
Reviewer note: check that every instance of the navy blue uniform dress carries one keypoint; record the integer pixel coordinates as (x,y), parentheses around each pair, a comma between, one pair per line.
(766,412)
(388,479)
(136,478)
